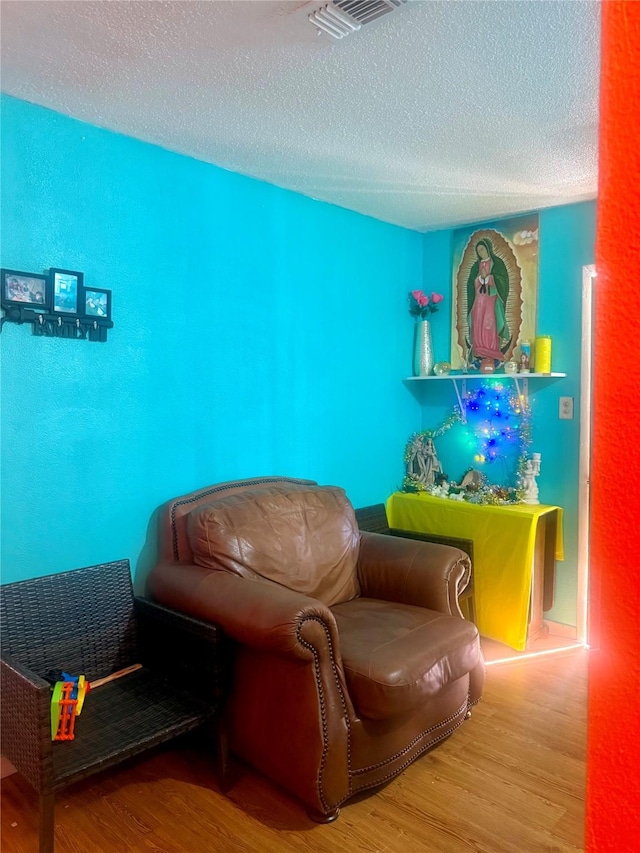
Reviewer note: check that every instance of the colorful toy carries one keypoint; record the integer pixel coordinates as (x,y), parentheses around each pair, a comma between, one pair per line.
(66,704)
(67,700)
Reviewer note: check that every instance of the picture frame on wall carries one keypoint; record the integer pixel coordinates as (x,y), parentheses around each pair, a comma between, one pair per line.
(66,291)
(25,289)
(96,302)
(495,292)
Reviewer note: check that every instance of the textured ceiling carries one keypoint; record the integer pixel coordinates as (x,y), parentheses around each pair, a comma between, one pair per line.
(439,114)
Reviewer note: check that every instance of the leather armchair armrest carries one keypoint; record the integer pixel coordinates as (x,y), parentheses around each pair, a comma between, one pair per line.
(412,572)
(261,614)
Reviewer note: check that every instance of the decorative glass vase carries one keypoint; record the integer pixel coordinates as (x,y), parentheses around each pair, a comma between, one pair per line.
(422,349)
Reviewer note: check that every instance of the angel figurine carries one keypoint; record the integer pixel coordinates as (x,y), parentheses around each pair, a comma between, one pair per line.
(529,483)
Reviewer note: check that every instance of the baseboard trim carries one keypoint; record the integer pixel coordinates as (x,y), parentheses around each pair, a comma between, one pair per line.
(559,629)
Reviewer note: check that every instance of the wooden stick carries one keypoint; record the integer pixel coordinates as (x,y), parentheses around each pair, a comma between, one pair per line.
(128,669)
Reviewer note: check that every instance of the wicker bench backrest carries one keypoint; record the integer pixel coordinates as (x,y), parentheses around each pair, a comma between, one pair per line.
(79,621)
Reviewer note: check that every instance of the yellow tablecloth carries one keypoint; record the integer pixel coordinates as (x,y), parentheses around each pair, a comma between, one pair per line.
(503,545)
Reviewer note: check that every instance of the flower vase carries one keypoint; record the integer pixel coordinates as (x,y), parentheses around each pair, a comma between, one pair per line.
(422,349)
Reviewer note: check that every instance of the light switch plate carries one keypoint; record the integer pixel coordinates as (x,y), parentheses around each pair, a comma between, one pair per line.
(566,408)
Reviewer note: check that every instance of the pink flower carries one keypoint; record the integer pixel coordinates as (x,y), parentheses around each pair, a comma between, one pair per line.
(420,305)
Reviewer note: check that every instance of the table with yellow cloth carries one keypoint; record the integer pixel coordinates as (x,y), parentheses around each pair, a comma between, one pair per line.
(504,544)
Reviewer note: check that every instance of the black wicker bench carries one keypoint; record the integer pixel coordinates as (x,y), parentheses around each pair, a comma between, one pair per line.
(373,519)
(88,622)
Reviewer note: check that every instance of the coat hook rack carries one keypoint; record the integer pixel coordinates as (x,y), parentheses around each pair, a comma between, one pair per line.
(57,304)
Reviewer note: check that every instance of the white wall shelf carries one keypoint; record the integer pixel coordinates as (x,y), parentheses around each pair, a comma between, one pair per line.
(521,381)
(515,376)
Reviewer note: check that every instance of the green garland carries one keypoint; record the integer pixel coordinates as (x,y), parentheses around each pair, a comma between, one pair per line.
(453,419)
(410,482)
(484,493)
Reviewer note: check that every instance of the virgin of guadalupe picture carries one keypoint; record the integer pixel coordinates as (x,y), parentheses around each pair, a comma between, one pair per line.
(495,277)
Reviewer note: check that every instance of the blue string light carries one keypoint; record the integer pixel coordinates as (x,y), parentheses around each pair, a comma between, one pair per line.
(497,426)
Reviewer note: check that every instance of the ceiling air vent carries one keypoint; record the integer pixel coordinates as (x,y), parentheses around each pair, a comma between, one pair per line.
(342,17)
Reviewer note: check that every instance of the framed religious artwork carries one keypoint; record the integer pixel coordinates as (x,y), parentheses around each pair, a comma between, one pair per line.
(495,292)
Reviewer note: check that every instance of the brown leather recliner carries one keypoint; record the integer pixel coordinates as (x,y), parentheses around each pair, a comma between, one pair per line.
(353,657)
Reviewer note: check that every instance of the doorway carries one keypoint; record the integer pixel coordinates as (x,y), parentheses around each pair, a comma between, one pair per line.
(586,381)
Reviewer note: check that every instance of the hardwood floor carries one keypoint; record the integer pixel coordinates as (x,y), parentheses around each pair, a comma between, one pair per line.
(511,780)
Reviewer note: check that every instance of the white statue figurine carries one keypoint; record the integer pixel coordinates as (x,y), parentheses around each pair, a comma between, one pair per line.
(440,491)
(432,464)
(529,484)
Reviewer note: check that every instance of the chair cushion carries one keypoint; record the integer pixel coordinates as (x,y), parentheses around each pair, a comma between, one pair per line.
(396,655)
(303,537)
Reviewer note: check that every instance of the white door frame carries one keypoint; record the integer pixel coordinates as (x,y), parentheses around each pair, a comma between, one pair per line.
(584,471)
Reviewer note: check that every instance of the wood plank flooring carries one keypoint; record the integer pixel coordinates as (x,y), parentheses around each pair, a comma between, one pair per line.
(511,780)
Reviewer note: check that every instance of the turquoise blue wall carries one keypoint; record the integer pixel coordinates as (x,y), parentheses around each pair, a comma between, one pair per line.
(567,243)
(256,332)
